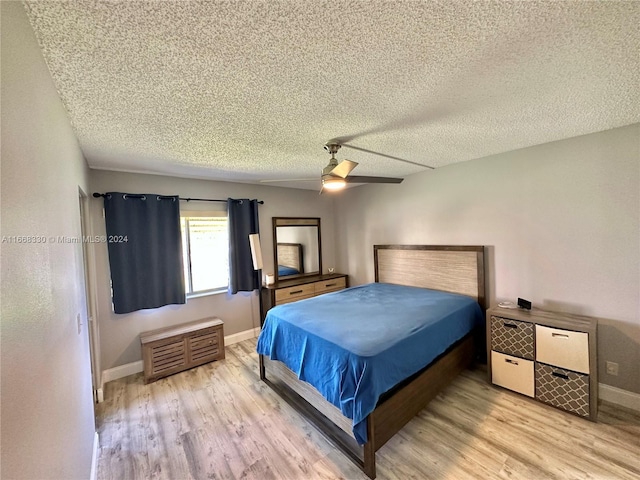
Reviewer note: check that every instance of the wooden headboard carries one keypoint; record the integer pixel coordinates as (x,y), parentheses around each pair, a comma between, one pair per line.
(450,268)
(290,255)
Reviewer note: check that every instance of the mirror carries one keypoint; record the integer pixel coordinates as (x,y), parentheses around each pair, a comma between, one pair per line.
(297,248)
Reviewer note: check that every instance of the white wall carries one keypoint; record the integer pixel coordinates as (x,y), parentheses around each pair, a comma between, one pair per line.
(47,412)
(561,222)
(120,343)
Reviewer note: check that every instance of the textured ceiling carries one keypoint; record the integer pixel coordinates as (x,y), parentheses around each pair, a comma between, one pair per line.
(251,90)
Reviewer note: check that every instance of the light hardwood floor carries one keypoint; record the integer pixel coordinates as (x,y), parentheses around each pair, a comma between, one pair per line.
(220,421)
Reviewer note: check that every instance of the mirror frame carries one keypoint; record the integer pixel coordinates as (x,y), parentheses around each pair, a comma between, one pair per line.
(295,222)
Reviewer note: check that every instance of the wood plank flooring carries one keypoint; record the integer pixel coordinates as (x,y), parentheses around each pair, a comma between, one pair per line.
(219,421)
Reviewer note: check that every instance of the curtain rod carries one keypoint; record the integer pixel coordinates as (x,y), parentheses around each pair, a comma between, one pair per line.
(261,202)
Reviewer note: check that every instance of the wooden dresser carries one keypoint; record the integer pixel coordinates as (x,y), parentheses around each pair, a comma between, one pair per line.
(170,350)
(545,355)
(286,291)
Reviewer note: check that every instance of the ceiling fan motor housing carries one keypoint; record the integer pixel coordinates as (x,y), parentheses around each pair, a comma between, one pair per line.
(332,148)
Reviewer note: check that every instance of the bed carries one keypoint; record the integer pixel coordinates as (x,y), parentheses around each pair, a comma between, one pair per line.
(360,426)
(290,259)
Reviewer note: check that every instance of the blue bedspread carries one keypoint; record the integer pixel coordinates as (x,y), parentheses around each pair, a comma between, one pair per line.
(355,344)
(282,271)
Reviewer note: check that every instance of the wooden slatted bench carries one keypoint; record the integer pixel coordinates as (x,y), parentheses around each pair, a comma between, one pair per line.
(170,350)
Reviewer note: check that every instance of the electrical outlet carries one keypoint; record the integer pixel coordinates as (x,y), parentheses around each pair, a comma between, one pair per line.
(612,368)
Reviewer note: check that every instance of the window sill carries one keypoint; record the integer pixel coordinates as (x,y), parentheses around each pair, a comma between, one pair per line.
(206,293)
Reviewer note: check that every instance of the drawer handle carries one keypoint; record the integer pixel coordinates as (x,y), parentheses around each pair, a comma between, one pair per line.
(512,362)
(295,292)
(560,375)
(560,335)
(510,325)
(330,285)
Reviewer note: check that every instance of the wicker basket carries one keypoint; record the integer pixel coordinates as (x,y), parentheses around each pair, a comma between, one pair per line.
(512,337)
(563,388)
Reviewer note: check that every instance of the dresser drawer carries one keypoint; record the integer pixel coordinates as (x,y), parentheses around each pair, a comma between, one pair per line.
(513,373)
(562,348)
(563,388)
(330,285)
(285,295)
(512,337)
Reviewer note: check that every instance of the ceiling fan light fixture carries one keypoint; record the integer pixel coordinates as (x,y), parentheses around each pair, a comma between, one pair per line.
(331,182)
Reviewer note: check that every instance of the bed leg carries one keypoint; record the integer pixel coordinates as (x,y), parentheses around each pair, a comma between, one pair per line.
(370,450)
(369,461)
(262,374)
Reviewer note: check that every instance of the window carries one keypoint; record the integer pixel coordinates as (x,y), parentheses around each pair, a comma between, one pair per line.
(205,251)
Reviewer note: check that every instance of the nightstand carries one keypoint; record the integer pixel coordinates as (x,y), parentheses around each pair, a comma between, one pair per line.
(545,355)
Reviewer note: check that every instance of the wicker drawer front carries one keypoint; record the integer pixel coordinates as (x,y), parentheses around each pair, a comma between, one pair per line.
(285,295)
(330,285)
(203,346)
(167,357)
(513,373)
(512,337)
(563,388)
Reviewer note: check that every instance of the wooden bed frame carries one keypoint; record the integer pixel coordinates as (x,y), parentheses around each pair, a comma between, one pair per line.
(458,269)
(290,255)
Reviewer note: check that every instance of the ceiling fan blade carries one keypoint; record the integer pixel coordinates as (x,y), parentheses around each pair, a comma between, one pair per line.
(388,156)
(356,179)
(344,168)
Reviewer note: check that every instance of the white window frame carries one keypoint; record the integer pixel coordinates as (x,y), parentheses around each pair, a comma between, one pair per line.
(186,214)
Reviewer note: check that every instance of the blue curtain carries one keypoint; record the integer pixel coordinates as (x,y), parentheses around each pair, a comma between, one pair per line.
(145,250)
(243,221)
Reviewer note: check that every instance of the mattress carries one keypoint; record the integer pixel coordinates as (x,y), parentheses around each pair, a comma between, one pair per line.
(355,344)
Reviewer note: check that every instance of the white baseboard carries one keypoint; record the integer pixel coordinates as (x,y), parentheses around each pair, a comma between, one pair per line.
(136,367)
(618,396)
(121,371)
(241,336)
(94,458)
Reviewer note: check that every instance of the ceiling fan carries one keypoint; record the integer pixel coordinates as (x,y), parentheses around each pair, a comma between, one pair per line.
(336,175)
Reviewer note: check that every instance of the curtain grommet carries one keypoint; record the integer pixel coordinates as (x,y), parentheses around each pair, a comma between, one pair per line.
(126,196)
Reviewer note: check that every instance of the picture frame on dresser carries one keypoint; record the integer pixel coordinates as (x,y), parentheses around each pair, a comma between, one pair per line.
(548,356)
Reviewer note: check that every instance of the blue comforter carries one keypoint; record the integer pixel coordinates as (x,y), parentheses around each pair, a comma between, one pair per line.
(283,271)
(355,344)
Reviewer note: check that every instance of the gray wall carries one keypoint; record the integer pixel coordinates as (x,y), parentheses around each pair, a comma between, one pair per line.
(119,333)
(47,407)
(561,222)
